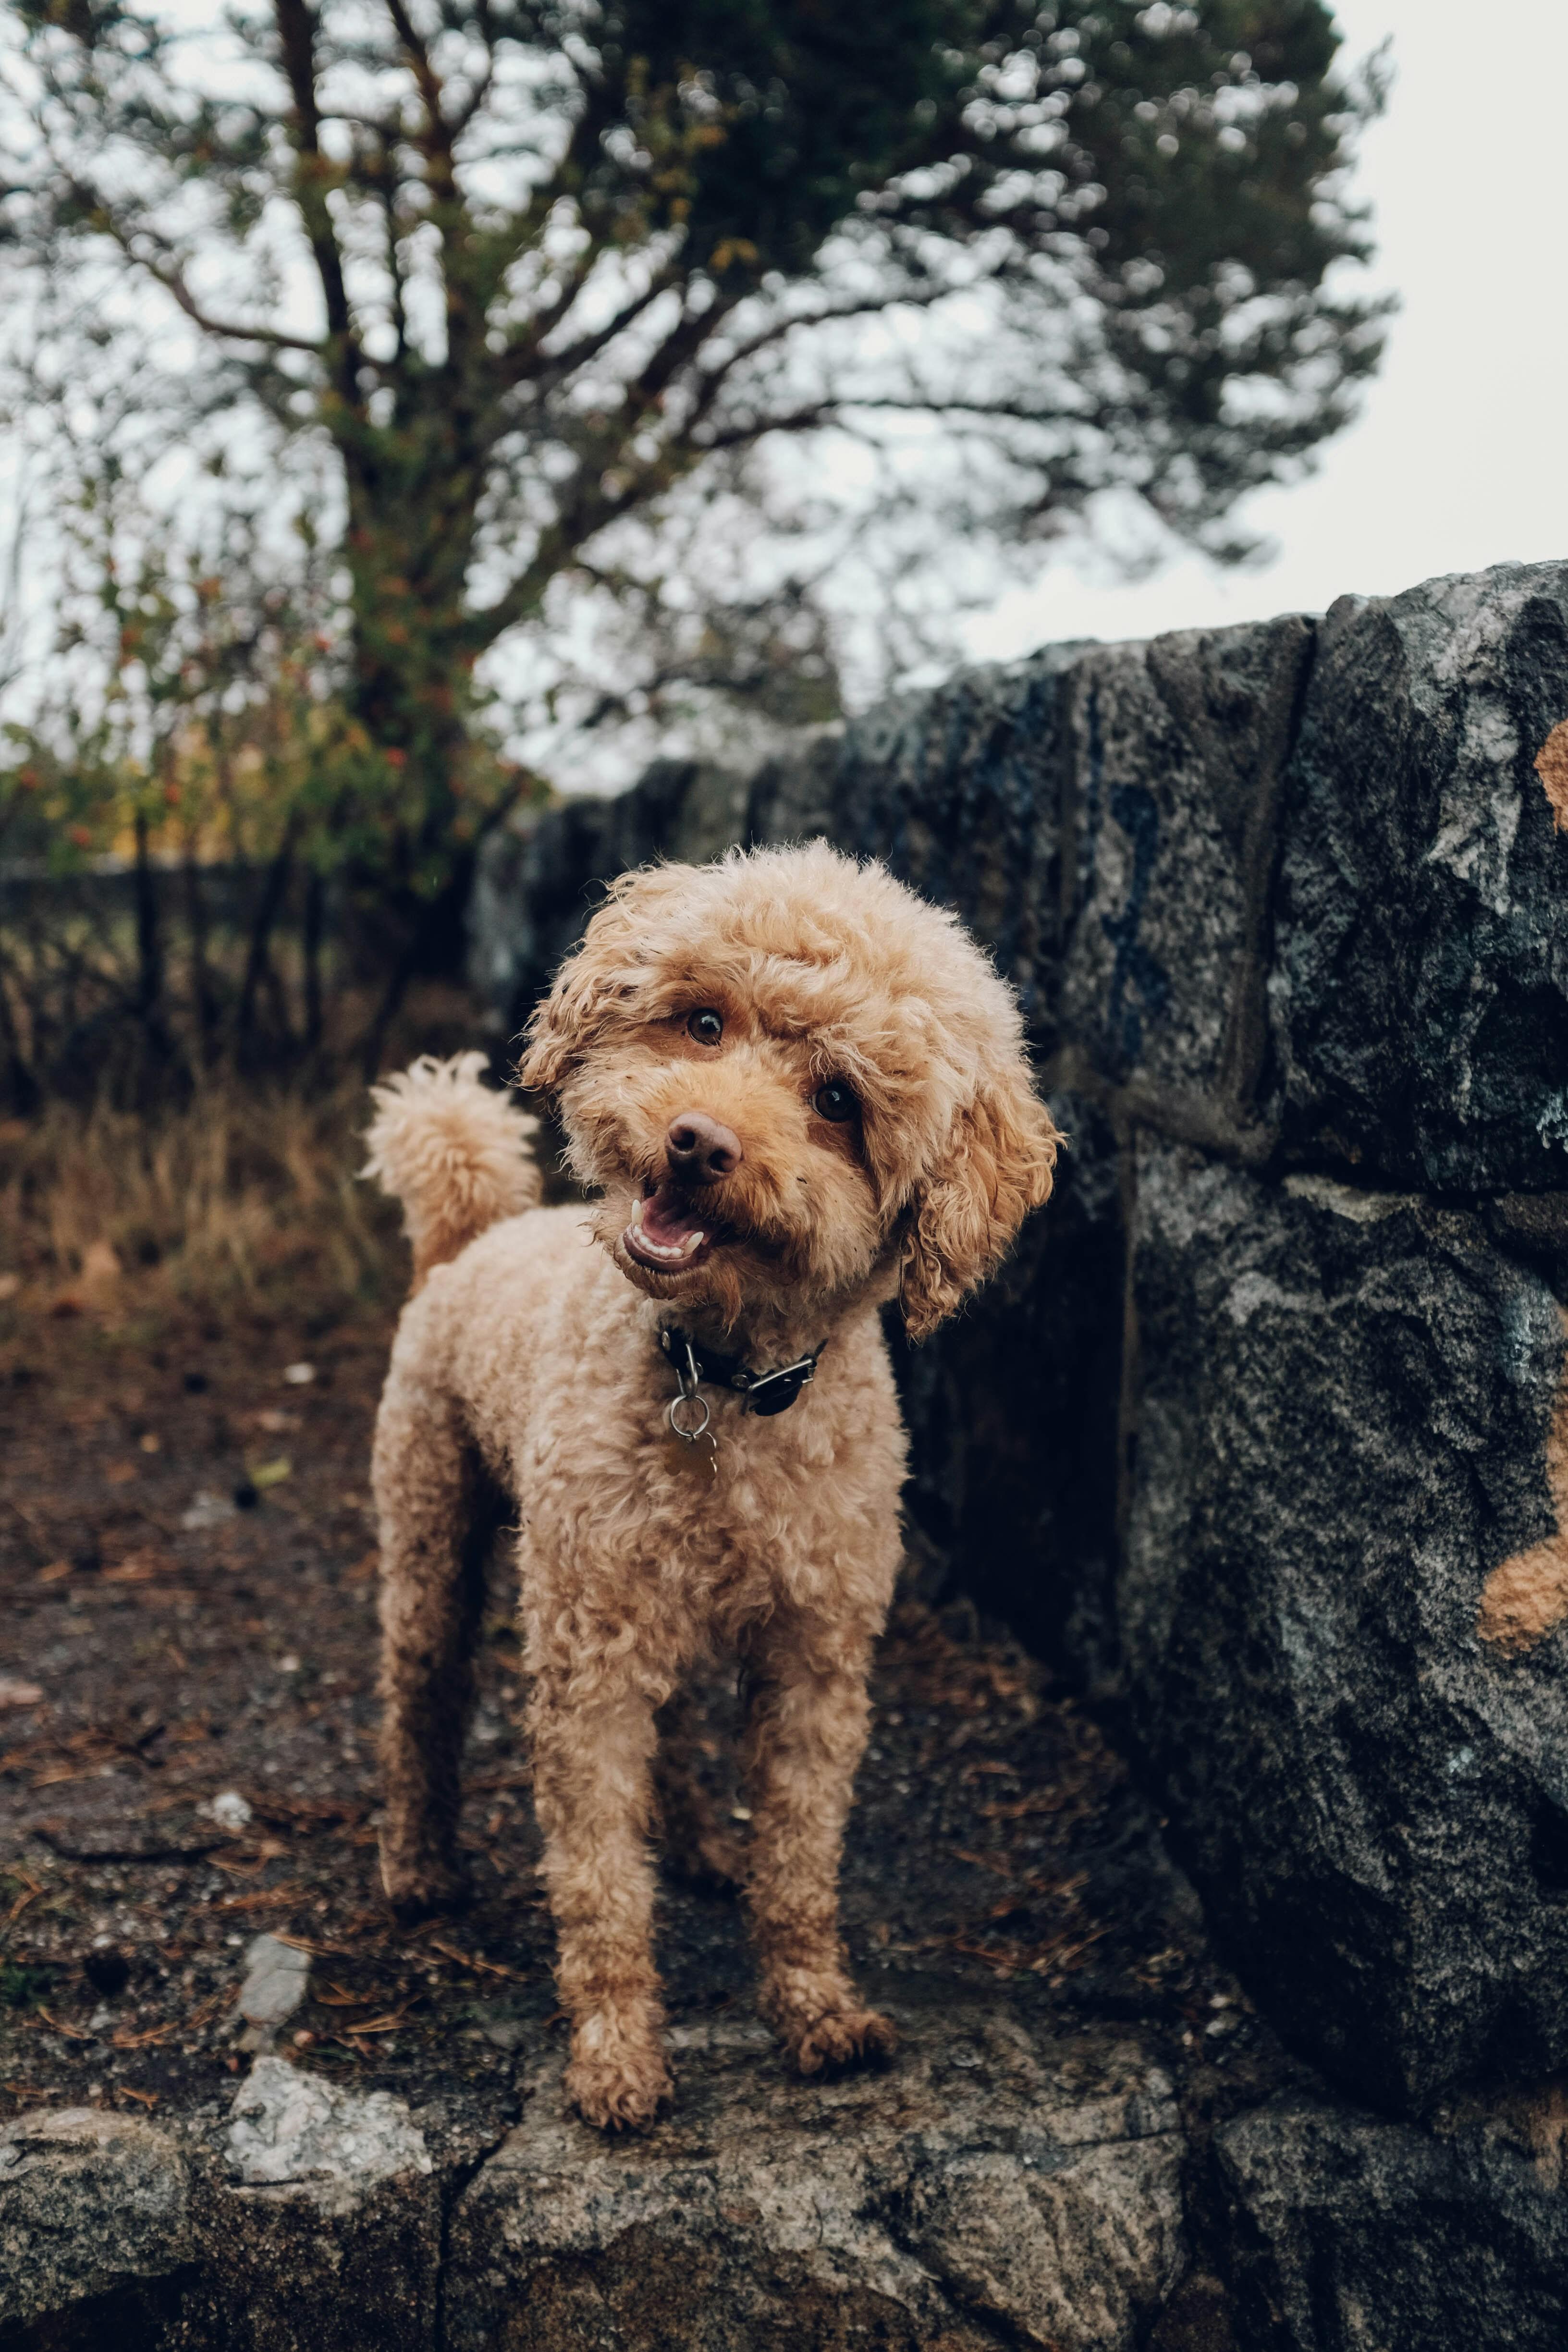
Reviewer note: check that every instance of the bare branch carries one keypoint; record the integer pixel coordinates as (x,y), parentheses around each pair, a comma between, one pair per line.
(555,366)
(869,306)
(172,278)
(296,25)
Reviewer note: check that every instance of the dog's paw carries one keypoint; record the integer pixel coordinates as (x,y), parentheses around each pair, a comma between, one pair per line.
(624,2093)
(426,1890)
(841,2039)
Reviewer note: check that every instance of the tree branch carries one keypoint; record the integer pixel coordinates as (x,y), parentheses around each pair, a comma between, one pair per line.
(171,278)
(869,306)
(296,25)
(555,366)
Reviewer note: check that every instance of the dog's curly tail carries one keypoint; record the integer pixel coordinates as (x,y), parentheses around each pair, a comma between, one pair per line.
(454,1151)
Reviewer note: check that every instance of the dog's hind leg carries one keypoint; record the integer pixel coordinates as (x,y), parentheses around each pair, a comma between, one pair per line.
(804,1737)
(437,1516)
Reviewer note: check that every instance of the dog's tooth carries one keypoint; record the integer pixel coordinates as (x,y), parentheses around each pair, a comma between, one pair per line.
(692,1241)
(636,1213)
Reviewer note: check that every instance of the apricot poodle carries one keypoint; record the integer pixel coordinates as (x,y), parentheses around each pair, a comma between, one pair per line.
(796,1092)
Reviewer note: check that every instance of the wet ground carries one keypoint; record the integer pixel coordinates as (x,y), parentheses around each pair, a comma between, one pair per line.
(188,1594)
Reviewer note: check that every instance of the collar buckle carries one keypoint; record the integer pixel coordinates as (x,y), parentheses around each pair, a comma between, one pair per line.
(765,1393)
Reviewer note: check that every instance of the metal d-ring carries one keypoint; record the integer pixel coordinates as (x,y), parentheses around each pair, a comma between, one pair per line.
(688,1396)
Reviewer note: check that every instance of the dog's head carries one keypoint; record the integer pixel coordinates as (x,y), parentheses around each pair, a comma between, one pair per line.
(793,1081)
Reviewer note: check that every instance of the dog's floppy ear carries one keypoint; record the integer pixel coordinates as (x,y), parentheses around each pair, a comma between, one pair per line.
(997,1165)
(599,973)
(559,1028)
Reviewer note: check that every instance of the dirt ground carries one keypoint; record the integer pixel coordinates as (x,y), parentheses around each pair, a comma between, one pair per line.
(189,1589)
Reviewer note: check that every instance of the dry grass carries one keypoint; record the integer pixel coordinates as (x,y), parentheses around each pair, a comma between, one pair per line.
(236,1196)
(246,1196)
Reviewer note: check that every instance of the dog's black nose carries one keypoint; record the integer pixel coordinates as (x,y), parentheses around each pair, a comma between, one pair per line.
(700,1151)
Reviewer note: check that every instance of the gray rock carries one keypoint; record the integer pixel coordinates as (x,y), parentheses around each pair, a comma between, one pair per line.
(1350,2234)
(960,791)
(289,2126)
(991,2182)
(1178,750)
(277,1978)
(319,2223)
(1341,1436)
(88,2200)
(1420,985)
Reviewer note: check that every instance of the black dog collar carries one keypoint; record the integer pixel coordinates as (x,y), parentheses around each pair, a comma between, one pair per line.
(766,1393)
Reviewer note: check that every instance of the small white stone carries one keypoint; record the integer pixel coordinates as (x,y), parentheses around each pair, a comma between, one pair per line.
(277,1978)
(228,1808)
(299,1376)
(207,1510)
(289,2126)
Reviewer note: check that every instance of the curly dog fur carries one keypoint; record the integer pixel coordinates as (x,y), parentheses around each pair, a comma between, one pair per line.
(797,1092)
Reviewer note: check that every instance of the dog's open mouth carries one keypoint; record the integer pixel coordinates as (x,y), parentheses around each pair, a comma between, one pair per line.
(670,1230)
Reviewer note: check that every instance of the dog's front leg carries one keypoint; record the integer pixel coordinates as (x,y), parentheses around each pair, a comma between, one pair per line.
(806,1734)
(593,1791)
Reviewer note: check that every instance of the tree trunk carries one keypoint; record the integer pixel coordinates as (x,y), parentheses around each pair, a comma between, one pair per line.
(149,933)
(203,998)
(258,961)
(312,931)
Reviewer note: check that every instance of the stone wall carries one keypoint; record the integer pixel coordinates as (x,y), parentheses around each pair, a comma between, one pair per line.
(1258,1437)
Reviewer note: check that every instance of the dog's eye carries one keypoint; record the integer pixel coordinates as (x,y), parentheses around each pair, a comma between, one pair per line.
(706,1026)
(834,1101)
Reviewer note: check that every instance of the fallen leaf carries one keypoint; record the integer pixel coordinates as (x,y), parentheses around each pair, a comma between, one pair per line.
(71,2033)
(54,1570)
(271,1474)
(140,1568)
(263,1898)
(10,1283)
(1003,1868)
(99,1265)
(123,2041)
(390,2023)
(472,1960)
(1551,767)
(119,1473)
(17,1693)
(31,1890)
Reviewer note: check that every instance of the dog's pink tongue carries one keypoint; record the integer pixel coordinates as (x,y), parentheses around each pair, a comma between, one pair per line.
(667,1219)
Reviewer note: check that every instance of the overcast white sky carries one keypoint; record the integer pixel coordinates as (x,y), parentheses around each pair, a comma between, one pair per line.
(1461,456)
